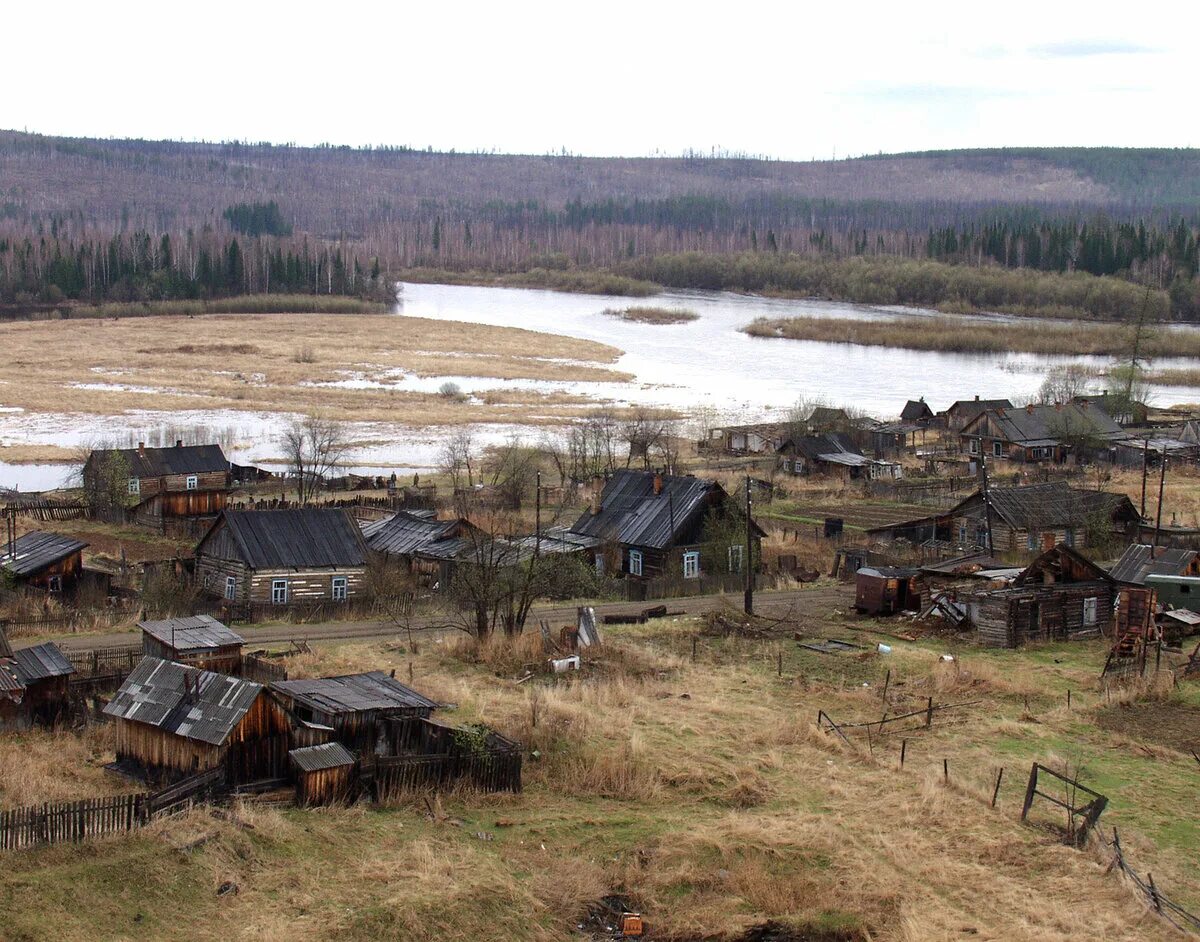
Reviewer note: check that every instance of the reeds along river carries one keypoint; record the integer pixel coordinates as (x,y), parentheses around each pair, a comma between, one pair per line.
(710,361)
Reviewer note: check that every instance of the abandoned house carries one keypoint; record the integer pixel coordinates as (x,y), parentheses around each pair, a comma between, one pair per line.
(917,411)
(652,525)
(161,483)
(1024,519)
(196,640)
(824,419)
(34,685)
(173,720)
(39,562)
(893,438)
(283,558)
(833,455)
(426,547)
(757,439)
(357,708)
(959,414)
(1042,434)
(1060,596)
(1141,560)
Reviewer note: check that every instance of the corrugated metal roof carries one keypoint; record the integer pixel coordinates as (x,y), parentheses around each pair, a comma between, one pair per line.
(631,513)
(302,538)
(405,534)
(160,462)
(194,633)
(11,686)
(354,693)
(34,551)
(1140,560)
(41,662)
(330,755)
(192,703)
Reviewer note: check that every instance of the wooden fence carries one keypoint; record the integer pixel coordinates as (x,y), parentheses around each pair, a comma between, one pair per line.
(1171,911)
(68,622)
(46,510)
(494,770)
(71,821)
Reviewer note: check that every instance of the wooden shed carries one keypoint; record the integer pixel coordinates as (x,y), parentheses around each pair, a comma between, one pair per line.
(43,562)
(886,590)
(173,720)
(35,685)
(356,706)
(324,774)
(197,640)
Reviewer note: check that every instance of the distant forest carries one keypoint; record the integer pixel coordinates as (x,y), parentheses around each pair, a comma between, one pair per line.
(348,217)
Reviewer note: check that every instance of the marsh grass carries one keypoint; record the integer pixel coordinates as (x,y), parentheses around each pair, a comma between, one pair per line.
(653,315)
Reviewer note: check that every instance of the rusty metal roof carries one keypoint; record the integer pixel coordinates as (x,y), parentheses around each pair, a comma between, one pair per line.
(11,686)
(330,755)
(193,633)
(41,662)
(354,693)
(631,513)
(34,551)
(195,704)
(301,538)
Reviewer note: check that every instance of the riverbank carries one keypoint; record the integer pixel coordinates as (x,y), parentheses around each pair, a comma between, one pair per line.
(240,304)
(571,281)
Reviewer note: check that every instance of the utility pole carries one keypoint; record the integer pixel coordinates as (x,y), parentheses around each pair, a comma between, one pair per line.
(537,518)
(987,504)
(1162,480)
(1145,463)
(748,562)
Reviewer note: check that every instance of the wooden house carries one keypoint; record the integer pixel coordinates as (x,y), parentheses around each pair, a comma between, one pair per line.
(959,414)
(1045,434)
(424,546)
(651,525)
(43,562)
(357,707)
(830,455)
(160,483)
(1060,596)
(34,685)
(324,774)
(196,640)
(894,438)
(1141,560)
(283,558)
(172,721)
(917,411)
(756,439)
(1124,412)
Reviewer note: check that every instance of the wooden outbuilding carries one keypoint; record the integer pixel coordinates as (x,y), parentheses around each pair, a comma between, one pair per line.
(428,548)
(886,590)
(324,774)
(196,640)
(173,721)
(35,685)
(43,562)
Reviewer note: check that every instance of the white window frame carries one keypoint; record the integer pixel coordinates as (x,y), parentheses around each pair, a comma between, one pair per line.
(231,588)
(691,564)
(192,483)
(737,553)
(997,449)
(339,589)
(135,486)
(635,562)
(1090,612)
(973,447)
(279,597)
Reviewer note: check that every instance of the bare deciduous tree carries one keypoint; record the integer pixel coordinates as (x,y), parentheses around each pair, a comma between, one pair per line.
(313,446)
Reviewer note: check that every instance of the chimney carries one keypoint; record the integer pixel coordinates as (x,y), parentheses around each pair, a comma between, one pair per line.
(142,449)
(977,397)
(1029,409)
(658,482)
(597,491)
(179,443)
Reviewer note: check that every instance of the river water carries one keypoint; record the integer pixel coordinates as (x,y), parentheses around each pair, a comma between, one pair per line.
(706,362)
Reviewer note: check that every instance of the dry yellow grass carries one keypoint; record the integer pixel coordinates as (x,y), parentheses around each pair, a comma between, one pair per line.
(39,766)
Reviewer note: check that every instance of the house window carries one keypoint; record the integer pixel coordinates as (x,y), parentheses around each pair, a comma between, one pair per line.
(231,588)
(973,447)
(339,588)
(962,534)
(135,486)
(635,562)
(1089,611)
(192,482)
(1033,540)
(55,584)
(998,449)
(735,558)
(691,565)
(1069,537)
(279,591)
(1185,590)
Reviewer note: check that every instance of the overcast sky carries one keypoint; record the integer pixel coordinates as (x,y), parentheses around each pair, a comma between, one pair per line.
(794,80)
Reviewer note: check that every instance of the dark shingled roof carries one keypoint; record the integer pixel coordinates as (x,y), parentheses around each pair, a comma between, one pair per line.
(331,755)
(354,693)
(207,710)
(41,662)
(1140,560)
(193,633)
(405,534)
(914,410)
(304,538)
(970,408)
(631,513)
(161,462)
(34,551)
(1049,423)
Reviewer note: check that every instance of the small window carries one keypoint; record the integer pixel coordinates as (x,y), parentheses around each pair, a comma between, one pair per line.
(340,587)
(135,486)
(635,562)
(736,554)
(1185,590)
(962,534)
(1033,540)
(691,565)
(55,584)
(1069,537)
(279,591)
(230,588)
(998,449)
(1089,611)
(192,482)
(974,446)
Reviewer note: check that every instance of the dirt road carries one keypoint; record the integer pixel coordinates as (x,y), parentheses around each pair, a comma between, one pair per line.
(806,604)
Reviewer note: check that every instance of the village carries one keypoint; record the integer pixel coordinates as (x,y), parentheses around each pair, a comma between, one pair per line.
(1000,594)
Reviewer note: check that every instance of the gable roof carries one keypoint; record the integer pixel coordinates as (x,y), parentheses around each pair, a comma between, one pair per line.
(161,462)
(1141,560)
(193,633)
(833,446)
(1068,565)
(822,414)
(184,701)
(301,538)
(36,550)
(354,693)
(915,409)
(1051,423)
(41,662)
(631,513)
(330,755)
(970,408)
(1046,505)
(406,534)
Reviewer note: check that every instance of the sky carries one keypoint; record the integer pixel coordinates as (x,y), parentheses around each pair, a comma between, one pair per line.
(794,80)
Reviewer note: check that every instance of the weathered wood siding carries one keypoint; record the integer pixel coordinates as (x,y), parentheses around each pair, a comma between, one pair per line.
(324,786)
(177,483)
(1009,618)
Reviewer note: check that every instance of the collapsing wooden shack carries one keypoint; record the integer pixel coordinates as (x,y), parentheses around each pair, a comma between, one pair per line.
(886,590)
(34,685)
(1061,596)
(197,640)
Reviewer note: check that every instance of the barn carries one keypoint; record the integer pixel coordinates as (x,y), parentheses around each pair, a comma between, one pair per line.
(197,640)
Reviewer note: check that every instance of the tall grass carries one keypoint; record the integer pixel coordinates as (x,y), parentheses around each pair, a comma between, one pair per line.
(243,304)
(954,335)
(653,315)
(575,281)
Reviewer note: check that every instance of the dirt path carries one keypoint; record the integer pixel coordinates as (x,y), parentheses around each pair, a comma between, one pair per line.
(802,603)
